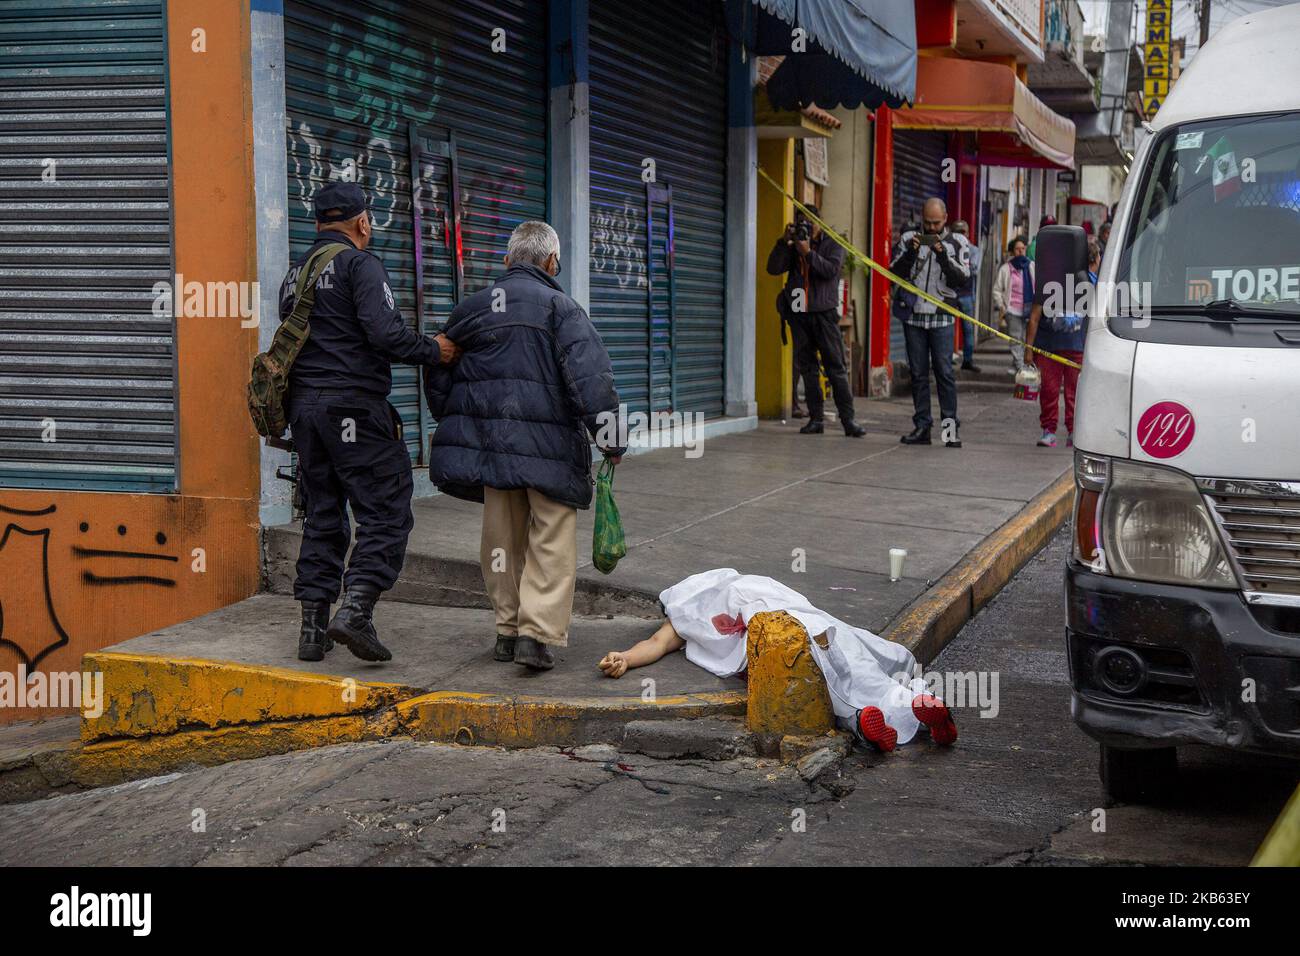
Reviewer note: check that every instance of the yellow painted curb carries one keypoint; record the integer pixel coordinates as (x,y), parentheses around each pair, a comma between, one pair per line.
(75,764)
(147,695)
(1282,845)
(496,720)
(933,619)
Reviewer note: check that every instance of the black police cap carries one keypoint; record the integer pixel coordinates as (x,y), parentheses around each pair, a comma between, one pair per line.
(343,200)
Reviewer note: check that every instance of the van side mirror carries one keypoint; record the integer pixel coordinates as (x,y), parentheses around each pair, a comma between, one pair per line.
(1060,259)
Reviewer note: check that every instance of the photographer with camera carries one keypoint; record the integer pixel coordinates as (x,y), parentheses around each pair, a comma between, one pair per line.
(812,262)
(937,262)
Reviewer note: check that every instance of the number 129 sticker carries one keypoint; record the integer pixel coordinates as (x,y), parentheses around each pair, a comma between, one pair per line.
(1165,429)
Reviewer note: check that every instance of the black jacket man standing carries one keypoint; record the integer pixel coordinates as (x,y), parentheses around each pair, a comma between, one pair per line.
(812,262)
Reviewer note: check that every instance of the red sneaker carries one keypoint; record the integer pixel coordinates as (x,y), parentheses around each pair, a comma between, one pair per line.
(871,722)
(935,714)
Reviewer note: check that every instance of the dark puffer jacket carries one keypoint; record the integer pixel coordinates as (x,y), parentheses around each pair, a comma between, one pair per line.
(515,411)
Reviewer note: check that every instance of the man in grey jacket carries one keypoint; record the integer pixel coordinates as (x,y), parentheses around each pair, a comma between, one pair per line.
(937,262)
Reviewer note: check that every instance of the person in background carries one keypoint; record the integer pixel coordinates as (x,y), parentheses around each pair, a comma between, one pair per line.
(1032,249)
(1013,292)
(1103,235)
(812,262)
(1063,336)
(966,300)
(937,261)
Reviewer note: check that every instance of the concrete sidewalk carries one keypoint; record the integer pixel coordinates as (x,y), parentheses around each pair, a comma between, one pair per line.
(818,512)
(755,501)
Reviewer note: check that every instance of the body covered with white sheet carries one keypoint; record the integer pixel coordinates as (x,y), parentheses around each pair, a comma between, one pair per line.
(711,610)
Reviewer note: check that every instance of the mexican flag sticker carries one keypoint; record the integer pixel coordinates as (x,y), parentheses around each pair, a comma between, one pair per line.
(1225,173)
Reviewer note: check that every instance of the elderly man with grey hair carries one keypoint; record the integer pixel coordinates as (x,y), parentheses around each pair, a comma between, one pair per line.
(516,416)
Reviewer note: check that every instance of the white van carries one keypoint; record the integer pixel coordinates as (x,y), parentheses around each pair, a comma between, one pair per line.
(1183,590)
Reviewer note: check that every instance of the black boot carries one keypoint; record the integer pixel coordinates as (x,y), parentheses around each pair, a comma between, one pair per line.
(312,641)
(853,430)
(917,436)
(353,626)
(815,426)
(533,654)
(505,648)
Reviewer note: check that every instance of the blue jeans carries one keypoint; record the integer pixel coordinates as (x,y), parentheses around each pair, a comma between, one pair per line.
(967,304)
(924,348)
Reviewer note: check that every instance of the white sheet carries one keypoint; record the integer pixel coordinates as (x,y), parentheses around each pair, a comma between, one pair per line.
(712,609)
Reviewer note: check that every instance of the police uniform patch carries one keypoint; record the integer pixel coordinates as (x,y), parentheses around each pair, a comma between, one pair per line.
(388,296)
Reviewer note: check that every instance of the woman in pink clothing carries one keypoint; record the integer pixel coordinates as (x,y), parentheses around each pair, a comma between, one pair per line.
(1013,296)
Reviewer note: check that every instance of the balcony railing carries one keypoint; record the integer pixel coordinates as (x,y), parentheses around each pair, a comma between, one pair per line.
(1024,15)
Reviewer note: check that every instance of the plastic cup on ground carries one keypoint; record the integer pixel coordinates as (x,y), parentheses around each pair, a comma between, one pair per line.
(896,556)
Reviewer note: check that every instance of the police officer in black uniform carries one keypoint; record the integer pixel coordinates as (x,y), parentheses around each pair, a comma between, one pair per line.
(346,434)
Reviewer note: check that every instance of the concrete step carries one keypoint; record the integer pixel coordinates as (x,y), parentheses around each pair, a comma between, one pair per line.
(449,581)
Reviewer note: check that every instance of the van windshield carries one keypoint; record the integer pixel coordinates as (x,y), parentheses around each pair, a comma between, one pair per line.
(1217,221)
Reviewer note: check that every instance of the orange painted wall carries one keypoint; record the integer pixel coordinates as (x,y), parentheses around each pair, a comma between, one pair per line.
(60,547)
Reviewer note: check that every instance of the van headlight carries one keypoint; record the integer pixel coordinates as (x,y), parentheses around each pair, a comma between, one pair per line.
(1151,524)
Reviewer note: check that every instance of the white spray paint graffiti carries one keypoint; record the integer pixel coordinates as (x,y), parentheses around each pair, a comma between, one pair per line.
(427,194)
(616,247)
(383,110)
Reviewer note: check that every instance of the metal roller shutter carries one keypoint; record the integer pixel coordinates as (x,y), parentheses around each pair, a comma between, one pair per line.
(658,91)
(87,369)
(918,175)
(367,83)
(918,172)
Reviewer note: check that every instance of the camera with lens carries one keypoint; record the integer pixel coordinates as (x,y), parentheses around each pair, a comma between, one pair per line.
(802,232)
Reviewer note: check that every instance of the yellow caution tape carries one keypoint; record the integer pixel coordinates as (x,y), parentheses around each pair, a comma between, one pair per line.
(866,260)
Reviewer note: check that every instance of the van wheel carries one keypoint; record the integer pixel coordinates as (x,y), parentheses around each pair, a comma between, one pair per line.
(1139,776)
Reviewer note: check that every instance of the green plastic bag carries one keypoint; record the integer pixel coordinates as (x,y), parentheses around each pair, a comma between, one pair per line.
(607,544)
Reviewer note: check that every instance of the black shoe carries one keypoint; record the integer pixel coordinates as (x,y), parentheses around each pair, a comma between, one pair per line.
(312,641)
(955,441)
(354,627)
(814,427)
(853,430)
(505,649)
(917,436)
(970,367)
(533,654)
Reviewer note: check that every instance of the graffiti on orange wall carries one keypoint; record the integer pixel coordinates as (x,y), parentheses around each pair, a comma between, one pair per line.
(81,571)
(31,627)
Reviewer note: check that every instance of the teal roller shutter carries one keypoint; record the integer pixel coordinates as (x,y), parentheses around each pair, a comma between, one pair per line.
(369,82)
(87,369)
(658,91)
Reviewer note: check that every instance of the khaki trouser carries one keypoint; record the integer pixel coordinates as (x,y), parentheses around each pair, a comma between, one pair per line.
(529,555)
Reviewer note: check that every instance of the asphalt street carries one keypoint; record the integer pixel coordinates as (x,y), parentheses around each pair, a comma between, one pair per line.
(1020,787)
